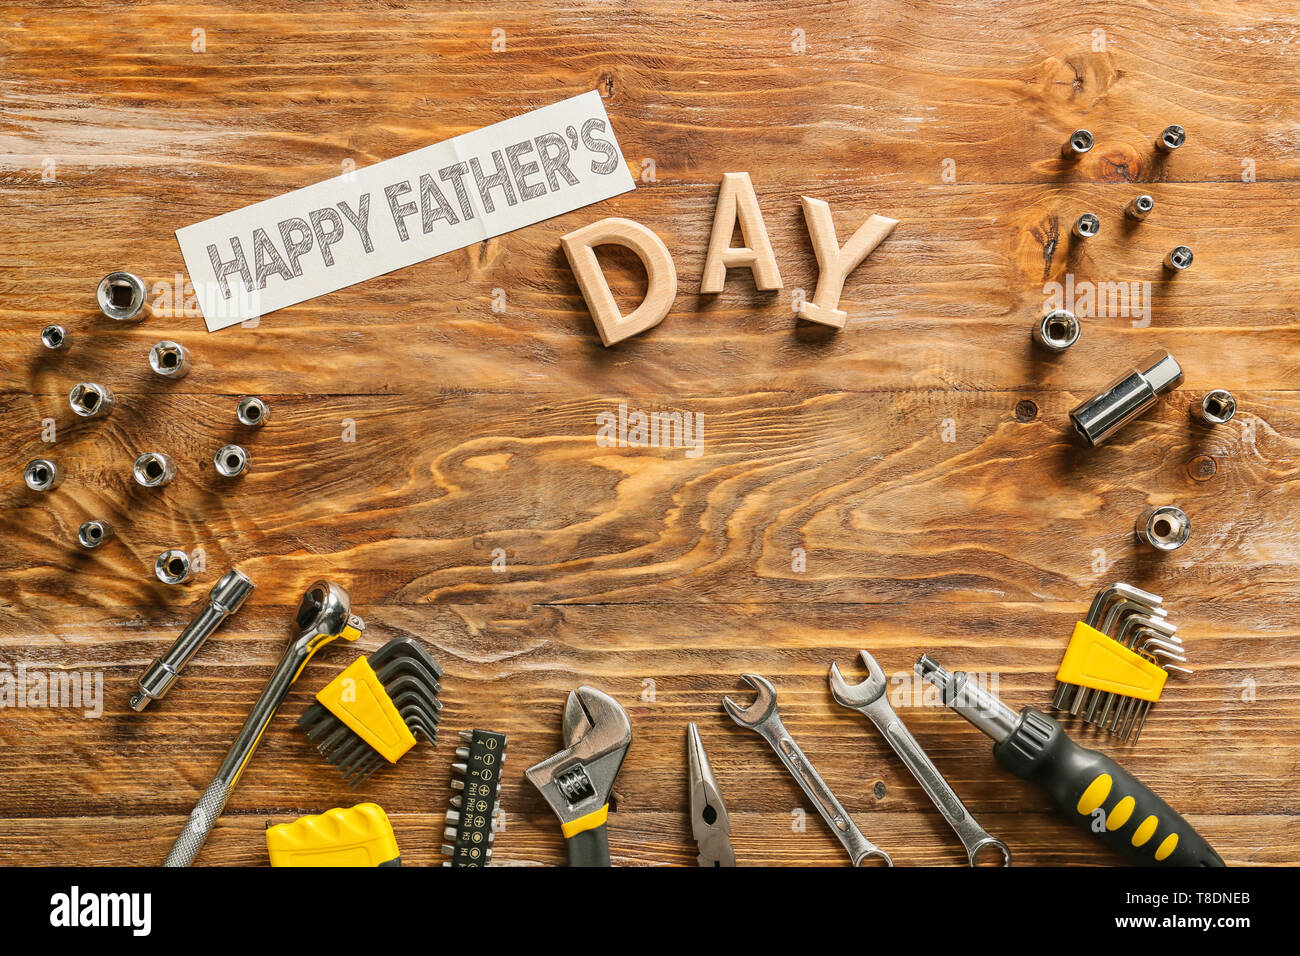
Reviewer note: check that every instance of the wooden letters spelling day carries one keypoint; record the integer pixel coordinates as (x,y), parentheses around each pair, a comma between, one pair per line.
(737,206)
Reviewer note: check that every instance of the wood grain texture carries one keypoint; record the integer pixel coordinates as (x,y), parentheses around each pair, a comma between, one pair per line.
(905,484)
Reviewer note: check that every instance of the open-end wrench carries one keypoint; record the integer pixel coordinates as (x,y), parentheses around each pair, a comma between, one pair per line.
(763,718)
(869,698)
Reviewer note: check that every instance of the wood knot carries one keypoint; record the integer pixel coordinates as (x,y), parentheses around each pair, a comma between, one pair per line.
(1202,468)
(1026,411)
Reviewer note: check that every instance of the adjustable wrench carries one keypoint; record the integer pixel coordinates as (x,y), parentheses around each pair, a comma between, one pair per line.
(869,698)
(762,717)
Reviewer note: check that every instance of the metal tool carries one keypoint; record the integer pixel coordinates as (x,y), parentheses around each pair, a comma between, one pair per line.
(1086,226)
(1080,142)
(1216,407)
(1089,787)
(54,337)
(1114,621)
(42,474)
(1170,138)
(870,699)
(121,296)
(170,359)
(1165,528)
(1127,397)
(1104,600)
(231,461)
(252,412)
(577,781)
(225,598)
(376,709)
(471,829)
(324,614)
(92,534)
(1057,330)
(763,718)
(153,469)
(89,400)
(1139,207)
(710,824)
(173,566)
(1179,258)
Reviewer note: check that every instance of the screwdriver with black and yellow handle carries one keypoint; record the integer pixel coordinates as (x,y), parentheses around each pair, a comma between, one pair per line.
(1133,821)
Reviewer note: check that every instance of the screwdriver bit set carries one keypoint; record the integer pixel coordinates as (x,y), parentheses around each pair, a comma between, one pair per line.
(471,824)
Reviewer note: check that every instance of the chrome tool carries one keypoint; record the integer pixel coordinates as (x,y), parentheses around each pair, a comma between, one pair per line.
(710,824)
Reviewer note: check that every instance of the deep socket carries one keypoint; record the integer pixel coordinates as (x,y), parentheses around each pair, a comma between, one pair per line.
(1179,258)
(1127,397)
(1057,330)
(92,534)
(42,474)
(224,600)
(1139,207)
(1086,226)
(1170,138)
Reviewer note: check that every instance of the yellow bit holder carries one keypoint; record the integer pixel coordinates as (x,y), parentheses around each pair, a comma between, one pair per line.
(358,836)
(1096,660)
(357,698)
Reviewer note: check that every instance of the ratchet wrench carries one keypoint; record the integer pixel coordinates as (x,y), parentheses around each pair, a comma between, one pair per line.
(762,717)
(869,698)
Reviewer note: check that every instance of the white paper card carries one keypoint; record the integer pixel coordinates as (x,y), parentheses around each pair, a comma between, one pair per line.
(362,224)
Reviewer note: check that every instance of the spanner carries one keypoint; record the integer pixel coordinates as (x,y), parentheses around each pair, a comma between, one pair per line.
(762,717)
(869,698)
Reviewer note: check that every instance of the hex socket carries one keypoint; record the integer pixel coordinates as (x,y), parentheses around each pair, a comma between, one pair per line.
(1165,528)
(1179,258)
(1127,397)
(225,598)
(1080,142)
(1086,226)
(1170,138)
(1216,407)
(42,474)
(1057,330)
(54,337)
(90,400)
(252,412)
(1139,207)
(231,461)
(169,359)
(94,533)
(122,296)
(153,469)
(172,566)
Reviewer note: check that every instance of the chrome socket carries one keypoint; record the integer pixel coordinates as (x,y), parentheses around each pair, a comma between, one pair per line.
(1080,142)
(1216,407)
(42,474)
(1165,528)
(54,337)
(1127,397)
(153,469)
(225,598)
(252,412)
(231,461)
(1057,330)
(121,296)
(1086,226)
(172,566)
(90,400)
(1139,207)
(170,359)
(94,533)
(1170,138)
(1179,258)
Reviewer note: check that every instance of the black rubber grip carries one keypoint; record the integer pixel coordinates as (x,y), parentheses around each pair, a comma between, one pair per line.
(1101,796)
(589,848)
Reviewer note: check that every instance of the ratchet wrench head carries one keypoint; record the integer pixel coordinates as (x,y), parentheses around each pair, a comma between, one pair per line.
(858,695)
(326,612)
(763,707)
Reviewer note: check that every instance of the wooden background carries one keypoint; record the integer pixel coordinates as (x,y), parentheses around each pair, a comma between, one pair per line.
(635,569)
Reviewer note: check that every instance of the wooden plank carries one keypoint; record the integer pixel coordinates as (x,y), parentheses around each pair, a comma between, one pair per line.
(827,510)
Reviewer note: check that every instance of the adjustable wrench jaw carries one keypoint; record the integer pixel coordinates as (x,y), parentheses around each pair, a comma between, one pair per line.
(576,782)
